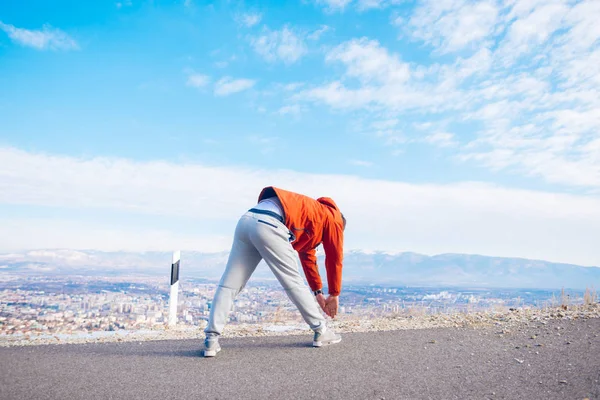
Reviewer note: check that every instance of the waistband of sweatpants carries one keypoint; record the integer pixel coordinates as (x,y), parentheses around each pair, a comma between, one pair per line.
(269,213)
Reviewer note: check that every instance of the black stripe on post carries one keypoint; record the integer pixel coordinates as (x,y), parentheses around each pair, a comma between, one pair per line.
(174,272)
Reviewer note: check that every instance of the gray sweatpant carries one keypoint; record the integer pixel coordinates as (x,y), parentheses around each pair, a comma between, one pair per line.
(257,237)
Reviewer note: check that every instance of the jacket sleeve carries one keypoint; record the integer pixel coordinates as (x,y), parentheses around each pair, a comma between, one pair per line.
(333,244)
(308,260)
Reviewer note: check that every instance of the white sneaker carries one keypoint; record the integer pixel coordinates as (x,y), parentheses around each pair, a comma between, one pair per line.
(326,338)
(211,347)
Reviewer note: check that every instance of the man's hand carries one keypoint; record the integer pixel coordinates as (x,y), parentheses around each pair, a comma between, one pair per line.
(331,306)
(321,300)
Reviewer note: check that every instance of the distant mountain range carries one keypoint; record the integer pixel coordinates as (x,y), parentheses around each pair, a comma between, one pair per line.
(367,267)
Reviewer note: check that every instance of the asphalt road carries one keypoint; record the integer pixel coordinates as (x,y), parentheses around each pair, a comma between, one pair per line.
(461,364)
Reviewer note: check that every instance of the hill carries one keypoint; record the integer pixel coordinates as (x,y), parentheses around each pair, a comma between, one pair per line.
(359,266)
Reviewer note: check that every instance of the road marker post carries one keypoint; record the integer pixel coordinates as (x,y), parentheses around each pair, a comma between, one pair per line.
(174,288)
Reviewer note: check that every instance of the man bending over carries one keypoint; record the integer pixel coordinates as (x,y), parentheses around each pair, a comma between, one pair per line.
(283,222)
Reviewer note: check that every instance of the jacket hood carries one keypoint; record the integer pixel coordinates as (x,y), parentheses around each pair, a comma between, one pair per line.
(328,202)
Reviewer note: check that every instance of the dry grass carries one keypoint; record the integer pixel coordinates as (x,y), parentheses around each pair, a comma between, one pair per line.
(565,299)
(416,311)
(590,297)
(499,309)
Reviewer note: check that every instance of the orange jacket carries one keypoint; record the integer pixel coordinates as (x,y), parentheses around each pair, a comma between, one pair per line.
(313,222)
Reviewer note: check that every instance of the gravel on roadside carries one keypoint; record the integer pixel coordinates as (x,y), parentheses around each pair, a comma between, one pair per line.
(506,321)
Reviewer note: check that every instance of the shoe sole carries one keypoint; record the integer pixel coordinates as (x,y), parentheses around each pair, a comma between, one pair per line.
(210,353)
(321,343)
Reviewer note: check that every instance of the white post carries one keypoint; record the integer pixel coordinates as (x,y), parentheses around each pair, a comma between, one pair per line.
(174,288)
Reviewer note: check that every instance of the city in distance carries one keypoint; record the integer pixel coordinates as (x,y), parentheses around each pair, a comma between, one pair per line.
(66,292)
(80,305)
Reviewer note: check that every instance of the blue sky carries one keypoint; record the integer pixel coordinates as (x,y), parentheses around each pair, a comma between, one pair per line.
(439,126)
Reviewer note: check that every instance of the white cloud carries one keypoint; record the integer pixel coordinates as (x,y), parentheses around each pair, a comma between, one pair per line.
(452,25)
(223,87)
(368,61)
(292,86)
(226,86)
(129,3)
(462,217)
(368,4)
(384,81)
(197,80)
(518,91)
(249,19)
(361,163)
(334,5)
(533,29)
(385,124)
(584,30)
(441,139)
(292,109)
(390,131)
(336,95)
(47,38)
(316,35)
(42,234)
(361,5)
(283,45)
(478,63)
